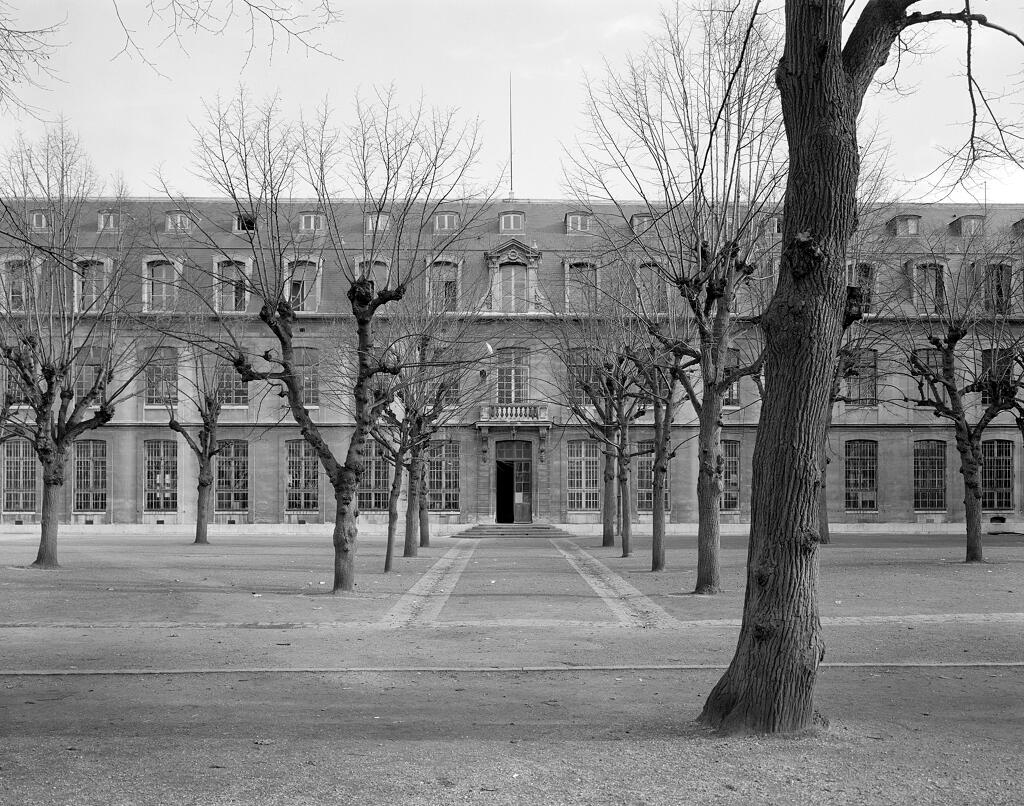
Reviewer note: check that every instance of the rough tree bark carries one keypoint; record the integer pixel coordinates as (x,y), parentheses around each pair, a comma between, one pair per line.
(412,505)
(658,475)
(969,447)
(53,485)
(710,472)
(608,501)
(769,684)
(203,488)
(393,496)
(625,499)
(424,512)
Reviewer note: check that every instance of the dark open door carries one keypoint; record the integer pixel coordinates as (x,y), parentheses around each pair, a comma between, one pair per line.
(514,482)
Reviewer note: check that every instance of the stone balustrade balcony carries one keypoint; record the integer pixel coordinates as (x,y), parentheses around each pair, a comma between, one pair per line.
(515,413)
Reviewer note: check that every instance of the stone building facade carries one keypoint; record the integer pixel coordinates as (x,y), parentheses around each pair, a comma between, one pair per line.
(516,454)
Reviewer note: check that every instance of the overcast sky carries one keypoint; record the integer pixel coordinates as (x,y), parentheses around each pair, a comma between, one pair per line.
(134,120)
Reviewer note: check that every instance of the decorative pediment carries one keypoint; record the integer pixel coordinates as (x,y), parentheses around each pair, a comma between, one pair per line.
(513,251)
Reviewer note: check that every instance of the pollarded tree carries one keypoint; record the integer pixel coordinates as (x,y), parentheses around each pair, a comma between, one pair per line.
(403,168)
(950,332)
(823,77)
(206,384)
(70,353)
(432,341)
(692,128)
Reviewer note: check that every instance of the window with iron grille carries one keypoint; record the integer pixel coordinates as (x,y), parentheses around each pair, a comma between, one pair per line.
(161,285)
(930,475)
(584,472)
(997,287)
(231,389)
(231,469)
(731,475)
(443,476)
(513,376)
(19,476)
(161,490)
(92,280)
(997,474)
(89,374)
(232,286)
(375,485)
(90,475)
(732,393)
(997,373)
(303,485)
(644,464)
(861,373)
(861,474)
(307,368)
(162,377)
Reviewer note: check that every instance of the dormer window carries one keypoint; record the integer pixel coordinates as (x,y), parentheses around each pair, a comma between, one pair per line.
(245,222)
(512,222)
(39,220)
(376,222)
(967,225)
(311,222)
(640,222)
(577,222)
(904,226)
(446,222)
(178,222)
(1017,229)
(108,221)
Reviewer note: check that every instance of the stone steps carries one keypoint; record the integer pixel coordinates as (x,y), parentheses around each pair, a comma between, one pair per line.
(536,530)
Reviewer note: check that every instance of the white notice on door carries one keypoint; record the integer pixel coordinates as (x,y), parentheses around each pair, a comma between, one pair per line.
(519,498)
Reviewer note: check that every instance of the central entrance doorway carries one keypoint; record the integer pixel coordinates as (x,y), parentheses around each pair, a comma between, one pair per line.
(513,487)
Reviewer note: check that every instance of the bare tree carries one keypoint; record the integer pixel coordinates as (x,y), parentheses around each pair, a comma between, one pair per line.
(70,353)
(949,332)
(403,167)
(769,684)
(693,129)
(431,335)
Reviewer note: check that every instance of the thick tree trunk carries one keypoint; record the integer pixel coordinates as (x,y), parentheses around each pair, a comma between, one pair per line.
(53,484)
(970,468)
(710,483)
(203,490)
(412,506)
(346,530)
(608,500)
(424,512)
(769,685)
(393,496)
